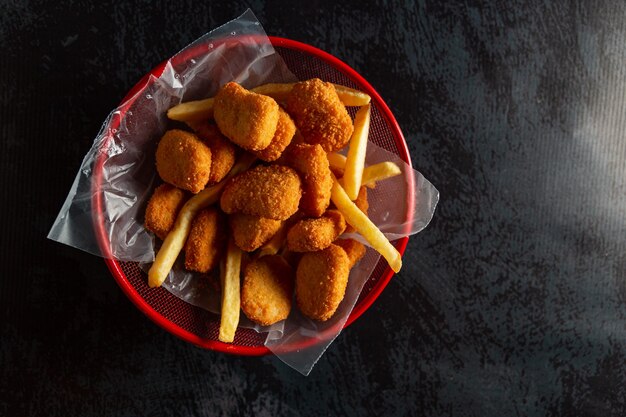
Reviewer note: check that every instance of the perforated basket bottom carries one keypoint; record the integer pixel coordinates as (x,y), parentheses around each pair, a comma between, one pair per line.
(206,325)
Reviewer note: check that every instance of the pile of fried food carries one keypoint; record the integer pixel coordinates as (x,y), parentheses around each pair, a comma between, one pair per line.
(254,185)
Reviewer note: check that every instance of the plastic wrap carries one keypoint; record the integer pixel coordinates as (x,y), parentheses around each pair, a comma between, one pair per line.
(121,161)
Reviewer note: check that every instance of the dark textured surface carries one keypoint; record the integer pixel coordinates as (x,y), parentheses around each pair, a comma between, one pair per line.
(511,303)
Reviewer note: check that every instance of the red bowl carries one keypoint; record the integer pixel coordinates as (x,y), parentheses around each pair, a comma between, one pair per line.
(192,323)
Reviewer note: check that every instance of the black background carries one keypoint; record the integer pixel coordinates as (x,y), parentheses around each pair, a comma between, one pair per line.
(511,303)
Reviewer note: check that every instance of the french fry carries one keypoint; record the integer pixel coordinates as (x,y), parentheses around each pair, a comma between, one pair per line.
(275,243)
(230,271)
(351,97)
(357,219)
(192,111)
(348,96)
(379,172)
(336,160)
(371,174)
(355,161)
(277,91)
(175,240)
(198,110)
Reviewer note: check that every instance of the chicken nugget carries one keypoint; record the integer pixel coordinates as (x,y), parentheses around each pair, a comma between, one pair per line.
(319,114)
(222,150)
(162,209)
(310,235)
(252,232)
(267,290)
(266,191)
(321,280)
(246,118)
(207,239)
(183,160)
(354,249)
(285,130)
(311,162)
(362,203)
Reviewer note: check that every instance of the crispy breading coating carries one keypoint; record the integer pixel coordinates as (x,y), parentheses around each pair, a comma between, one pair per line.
(267,290)
(310,235)
(285,130)
(246,118)
(183,160)
(319,114)
(311,162)
(354,249)
(222,150)
(252,232)
(321,279)
(162,209)
(207,240)
(266,191)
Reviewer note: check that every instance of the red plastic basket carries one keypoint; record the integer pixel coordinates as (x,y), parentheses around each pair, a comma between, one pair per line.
(194,324)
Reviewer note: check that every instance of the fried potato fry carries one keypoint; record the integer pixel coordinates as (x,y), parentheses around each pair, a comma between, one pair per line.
(336,160)
(198,110)
(371,174)
(351,97)
(357,219)
(348,96)
(355,161)
(230,270)
(277,91)
(275,243)
(192,111)
(379,172)
(175,240)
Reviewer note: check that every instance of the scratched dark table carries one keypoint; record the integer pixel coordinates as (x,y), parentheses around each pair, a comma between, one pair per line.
(511,303)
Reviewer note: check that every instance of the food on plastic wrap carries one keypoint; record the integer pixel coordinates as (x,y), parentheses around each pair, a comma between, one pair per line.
(354,249)
(362,203)
(355,161)
(183,160)
(320,116)
(230,271)
(309,235)
(321,280)
(206,241)
(311,163)
(112,188)
(281,203)
(285,130)
(251,232)
(163,207)
(267,290)
(222,150)
(246,118)
(272,191)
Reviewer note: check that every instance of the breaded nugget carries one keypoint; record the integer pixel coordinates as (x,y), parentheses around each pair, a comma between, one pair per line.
(246,118)
(207,239)
(266,191)
(251,232)
(354,249)
(222,150)
(162,209)
(267,290)
(285,130)
(321,279)
(362,203)
(319,114)
(310,235)
(311,163)
(183,160)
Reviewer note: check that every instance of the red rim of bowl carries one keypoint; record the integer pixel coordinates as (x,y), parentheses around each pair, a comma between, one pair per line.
(158,318)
